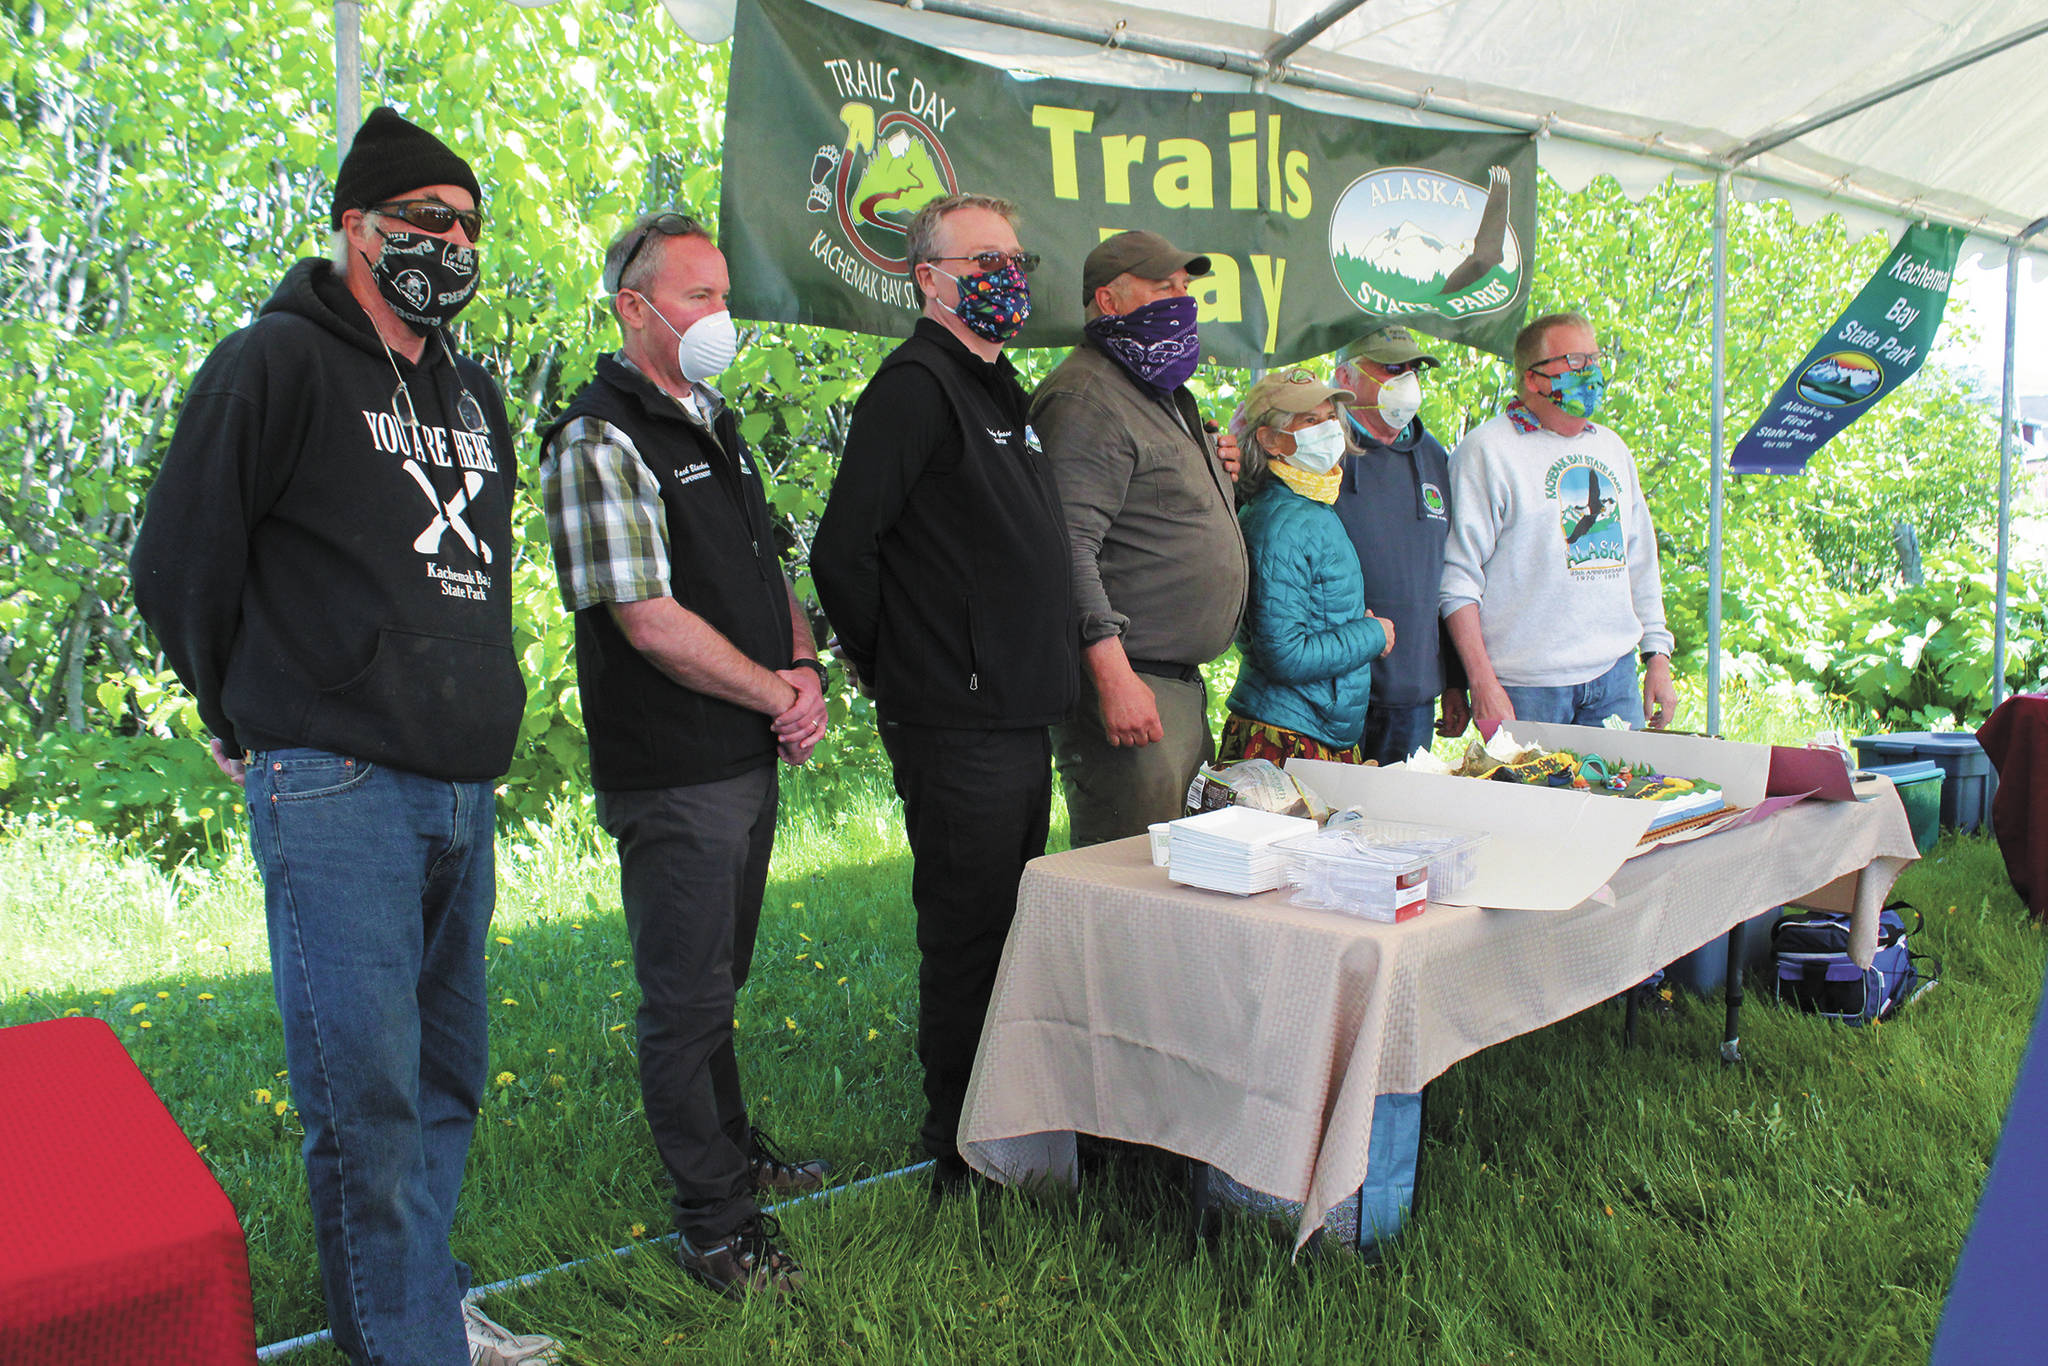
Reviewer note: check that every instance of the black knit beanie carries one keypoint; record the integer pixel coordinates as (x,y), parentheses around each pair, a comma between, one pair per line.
(390,156)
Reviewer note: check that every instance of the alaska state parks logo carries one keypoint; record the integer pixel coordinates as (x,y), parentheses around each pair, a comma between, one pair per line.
(1841,378)
(1409,240)
(875,179)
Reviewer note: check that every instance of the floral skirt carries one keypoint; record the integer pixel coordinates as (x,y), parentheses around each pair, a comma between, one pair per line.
(1244,738)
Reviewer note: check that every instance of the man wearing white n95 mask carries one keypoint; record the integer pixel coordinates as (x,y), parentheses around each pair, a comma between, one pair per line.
(1395,502)
(697,672)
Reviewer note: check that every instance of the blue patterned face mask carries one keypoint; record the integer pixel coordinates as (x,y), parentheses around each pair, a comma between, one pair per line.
(1578,392)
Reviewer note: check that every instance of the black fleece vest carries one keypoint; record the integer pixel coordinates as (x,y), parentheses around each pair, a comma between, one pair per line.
(978,626)
(645,729)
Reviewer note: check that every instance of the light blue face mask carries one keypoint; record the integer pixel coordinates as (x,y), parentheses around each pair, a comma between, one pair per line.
(1578,392)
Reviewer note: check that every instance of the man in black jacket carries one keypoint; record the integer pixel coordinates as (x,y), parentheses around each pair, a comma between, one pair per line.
(697,670)
(942,562)
(327,563)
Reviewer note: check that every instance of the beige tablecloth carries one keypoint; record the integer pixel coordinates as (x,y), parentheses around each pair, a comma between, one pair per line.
(1253,1035)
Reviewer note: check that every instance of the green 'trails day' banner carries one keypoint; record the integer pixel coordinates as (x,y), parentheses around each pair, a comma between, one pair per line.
(1872,349)
(1318,226)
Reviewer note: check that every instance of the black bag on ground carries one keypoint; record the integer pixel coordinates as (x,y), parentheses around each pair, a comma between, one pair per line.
(1814,971)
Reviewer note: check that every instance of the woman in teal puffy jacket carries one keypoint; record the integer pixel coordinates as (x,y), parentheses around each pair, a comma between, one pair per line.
(1308,641)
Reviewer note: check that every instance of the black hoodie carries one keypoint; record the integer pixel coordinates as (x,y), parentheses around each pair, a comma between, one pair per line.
(321,573)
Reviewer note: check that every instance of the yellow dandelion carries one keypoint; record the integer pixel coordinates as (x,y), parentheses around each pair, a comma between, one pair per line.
(800,934)
(637,1231)
(805,954)
(206,996)
(206,813)
(163,995)
(874,1034)
(506,1078)
(616,1028)
(503,940)
(618,962)
(1609,1209)
(575,927)
(279,1075)
(796,906)
(818,963)
(551,1052)
(74,1010)
(617,994)
(148,1025)
(263,1095)
(279,1109)
(106,991)
(138,1007)
(840,983)
(238,808)
(787,1021)
(508,1001)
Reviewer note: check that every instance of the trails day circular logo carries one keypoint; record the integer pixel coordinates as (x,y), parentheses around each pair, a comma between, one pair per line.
(1841,378)
(876,178)
(1409,240)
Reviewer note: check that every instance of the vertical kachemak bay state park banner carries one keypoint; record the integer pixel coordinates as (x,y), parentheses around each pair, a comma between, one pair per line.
(1318,226)
(1872,349)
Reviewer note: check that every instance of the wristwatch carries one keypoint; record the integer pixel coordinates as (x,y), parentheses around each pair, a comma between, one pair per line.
(807,662)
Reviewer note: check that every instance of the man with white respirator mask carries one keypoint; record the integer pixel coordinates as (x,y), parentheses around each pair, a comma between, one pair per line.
(1395,502)
(697,672)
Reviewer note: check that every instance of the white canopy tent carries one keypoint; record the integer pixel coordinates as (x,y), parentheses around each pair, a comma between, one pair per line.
(1882,113)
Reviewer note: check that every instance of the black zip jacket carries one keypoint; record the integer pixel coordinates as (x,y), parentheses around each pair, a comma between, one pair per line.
(321,571)
(942,558)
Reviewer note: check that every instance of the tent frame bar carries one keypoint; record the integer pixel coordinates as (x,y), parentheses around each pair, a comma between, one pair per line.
(1758,146)
(2007,429)
(1306,32)
(1118,36)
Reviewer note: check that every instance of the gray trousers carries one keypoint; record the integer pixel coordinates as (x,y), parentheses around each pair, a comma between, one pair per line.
(1118,790)
(693,863)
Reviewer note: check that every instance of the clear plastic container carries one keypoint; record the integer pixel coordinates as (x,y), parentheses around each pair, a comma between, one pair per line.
(1382,870)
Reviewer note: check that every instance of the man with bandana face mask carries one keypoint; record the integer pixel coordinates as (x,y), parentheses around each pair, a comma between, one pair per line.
(327,562)
(1159,566)
(697,674)
(1395,503)
(942,563)
(1551,586)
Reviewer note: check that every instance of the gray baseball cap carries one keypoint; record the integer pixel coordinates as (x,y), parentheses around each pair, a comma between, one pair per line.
(1146,255)
(1391,344)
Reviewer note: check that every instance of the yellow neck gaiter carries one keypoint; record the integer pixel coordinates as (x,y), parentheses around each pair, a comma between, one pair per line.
(1320,487)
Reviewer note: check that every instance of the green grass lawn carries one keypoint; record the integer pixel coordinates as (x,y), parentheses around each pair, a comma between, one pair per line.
(1578,1201)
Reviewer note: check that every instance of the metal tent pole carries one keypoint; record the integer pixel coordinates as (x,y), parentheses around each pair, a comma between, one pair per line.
(2005,435)
(348,74)
(1717,455)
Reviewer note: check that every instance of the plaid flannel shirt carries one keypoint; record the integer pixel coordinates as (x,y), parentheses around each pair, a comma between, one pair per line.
(605,518)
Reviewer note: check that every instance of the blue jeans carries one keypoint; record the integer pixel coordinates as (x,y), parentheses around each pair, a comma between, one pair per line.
(1394,733)
(378,887)
(1614,693)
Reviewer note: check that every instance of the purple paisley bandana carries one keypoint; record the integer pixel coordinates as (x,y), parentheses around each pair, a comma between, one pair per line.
(1157,342)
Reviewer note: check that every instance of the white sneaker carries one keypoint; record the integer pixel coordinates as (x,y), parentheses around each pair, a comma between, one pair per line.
(491,1344)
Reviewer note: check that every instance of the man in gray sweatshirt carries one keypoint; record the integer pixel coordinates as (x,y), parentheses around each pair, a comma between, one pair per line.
(1551,585)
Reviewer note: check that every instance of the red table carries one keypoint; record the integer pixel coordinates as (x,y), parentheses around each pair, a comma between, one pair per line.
(116,1243)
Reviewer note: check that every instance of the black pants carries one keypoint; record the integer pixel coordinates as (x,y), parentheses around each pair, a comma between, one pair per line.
(976,806)
(693,862)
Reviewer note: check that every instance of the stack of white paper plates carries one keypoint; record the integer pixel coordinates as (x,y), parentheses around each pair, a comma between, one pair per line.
(1231,850)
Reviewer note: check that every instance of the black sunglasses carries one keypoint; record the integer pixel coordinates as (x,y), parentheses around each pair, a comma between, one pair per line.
(668,225)
(433,216)
(1025,261)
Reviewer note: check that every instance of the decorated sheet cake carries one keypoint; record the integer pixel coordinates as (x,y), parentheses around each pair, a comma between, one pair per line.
(1503,759)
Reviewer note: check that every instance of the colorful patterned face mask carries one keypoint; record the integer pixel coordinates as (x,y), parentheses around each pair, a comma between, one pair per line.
(993,304)
(1156,342)
(1578,392)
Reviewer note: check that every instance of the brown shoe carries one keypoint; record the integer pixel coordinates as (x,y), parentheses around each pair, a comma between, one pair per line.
(775,1174)
(745,1262)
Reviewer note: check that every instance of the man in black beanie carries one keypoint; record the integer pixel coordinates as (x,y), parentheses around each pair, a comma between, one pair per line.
(326,560)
